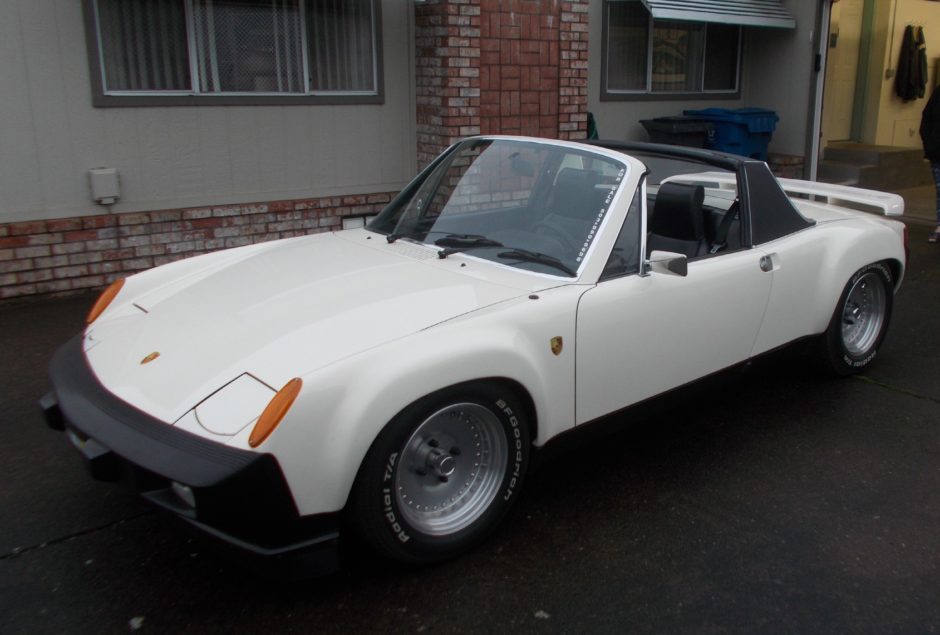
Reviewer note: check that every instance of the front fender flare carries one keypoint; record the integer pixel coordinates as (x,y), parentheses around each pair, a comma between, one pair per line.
(323,440)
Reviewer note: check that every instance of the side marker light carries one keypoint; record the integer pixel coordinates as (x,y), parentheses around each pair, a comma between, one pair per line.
(275,411)
(106,297)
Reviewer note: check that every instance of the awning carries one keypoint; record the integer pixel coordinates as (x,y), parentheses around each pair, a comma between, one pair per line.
(766,13)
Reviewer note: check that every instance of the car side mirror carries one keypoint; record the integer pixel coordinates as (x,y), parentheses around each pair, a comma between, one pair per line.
(669,263)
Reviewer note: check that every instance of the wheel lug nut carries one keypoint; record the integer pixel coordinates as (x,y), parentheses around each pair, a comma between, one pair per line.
(421,472)
(433,443)
(443,479)
(455,451)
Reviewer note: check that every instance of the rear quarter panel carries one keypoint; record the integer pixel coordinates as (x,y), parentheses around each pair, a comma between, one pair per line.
(813,267)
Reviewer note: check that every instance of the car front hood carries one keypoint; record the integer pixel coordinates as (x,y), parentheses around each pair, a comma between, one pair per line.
(276,313)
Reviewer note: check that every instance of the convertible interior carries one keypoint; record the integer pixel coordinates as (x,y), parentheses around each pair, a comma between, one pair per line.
(684,218)
(679,221)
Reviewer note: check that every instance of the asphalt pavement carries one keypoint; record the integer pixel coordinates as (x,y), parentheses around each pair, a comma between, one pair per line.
(771,500)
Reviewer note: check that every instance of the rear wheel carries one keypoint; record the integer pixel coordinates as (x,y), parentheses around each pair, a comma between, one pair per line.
(860,321)
(442,474)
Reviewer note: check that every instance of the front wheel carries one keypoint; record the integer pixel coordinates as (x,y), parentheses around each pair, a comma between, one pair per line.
(442,474)
(860,321)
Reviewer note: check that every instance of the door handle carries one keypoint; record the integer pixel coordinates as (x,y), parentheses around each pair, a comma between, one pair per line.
(766,263)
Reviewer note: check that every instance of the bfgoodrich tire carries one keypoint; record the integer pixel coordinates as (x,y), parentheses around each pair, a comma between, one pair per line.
(860,321)
(442,474)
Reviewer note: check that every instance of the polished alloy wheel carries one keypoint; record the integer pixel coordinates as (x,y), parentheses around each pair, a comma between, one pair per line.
(451,468)
(863,314)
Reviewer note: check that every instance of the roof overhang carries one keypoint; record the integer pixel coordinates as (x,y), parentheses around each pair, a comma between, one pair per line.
(762,13)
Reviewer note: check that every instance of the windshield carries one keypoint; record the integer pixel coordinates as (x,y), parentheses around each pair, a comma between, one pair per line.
(535,206)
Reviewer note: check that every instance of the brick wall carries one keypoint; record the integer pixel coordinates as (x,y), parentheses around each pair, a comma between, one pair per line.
(573,75)
(69,254)
(447,74)
(499,67)
(787,166)
(519,55)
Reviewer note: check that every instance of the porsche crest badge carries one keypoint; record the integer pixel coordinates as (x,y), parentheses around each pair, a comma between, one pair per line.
(150,358)
(557,344)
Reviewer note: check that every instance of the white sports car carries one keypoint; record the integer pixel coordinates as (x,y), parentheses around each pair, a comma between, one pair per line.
(397,377)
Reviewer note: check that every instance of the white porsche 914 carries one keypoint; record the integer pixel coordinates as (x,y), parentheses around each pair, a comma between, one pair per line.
(393,380)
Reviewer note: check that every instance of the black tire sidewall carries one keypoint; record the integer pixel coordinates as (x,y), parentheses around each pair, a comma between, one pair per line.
(376,510)
(840,359)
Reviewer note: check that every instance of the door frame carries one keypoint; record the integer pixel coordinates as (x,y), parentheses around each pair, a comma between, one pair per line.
(861,77)
(821,44)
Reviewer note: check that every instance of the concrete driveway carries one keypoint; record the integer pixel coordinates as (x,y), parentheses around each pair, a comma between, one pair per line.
(772,500)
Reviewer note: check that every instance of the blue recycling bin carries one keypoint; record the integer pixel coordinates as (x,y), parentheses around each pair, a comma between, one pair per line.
(743,131)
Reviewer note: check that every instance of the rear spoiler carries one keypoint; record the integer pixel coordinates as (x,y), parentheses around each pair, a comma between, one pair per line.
(889,204)
(842,195)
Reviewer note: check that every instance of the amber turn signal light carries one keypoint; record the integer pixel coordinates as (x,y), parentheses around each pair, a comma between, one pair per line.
(106,297)
(275,411)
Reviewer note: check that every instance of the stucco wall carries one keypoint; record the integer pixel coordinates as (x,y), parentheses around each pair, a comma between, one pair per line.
(174,157)
(776,74)
(779,75)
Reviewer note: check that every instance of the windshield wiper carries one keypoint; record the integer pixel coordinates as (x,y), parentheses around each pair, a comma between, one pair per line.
(458,240)
(443,242)
(538,258)
(454,243)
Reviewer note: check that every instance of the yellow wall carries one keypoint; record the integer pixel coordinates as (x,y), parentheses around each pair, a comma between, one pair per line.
(888,120)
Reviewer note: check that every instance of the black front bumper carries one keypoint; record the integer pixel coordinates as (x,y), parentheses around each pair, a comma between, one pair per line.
(240,497)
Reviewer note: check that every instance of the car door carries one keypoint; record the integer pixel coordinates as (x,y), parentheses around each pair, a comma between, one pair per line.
(641,335)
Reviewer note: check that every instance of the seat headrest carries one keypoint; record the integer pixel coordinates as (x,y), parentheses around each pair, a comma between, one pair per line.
(573,177)
(573,192)
(678,211)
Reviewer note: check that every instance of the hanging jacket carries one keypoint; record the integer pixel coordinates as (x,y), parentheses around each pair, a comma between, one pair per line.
(911,80)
